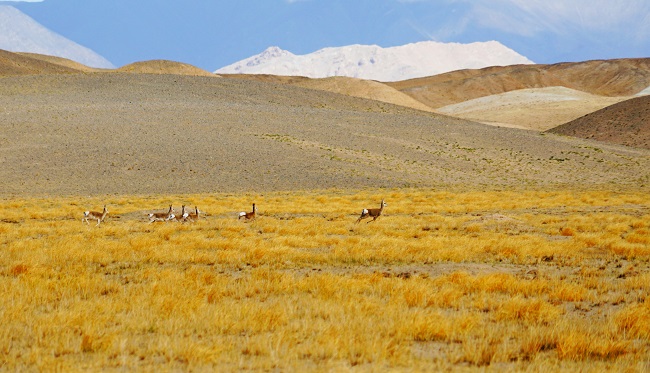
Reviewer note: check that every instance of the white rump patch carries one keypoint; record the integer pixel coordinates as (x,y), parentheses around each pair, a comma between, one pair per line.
(242,213)
(364,212)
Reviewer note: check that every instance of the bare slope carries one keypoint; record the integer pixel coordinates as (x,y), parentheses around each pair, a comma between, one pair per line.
(533,108)
(626,123)
(145,133)
(164,67)
(369,89)
(62,61)
(18,64)
(622,77)
(35,64)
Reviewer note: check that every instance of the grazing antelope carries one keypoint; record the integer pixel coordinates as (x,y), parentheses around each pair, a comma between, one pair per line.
(372,213)
(162,216)
(194,216)
(248,215)
(94,215)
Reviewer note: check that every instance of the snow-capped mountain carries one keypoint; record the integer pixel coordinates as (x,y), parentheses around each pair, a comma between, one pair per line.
(376,63)
(21,33)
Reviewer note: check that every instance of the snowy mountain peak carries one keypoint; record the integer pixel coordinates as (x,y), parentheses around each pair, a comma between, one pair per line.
(21,33)
(372,62)
(269,54)
(273,52)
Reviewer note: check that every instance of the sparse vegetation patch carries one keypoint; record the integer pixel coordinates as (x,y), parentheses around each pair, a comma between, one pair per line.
(517,280)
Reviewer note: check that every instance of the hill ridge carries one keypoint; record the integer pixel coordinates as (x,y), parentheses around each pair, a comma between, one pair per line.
(625,123)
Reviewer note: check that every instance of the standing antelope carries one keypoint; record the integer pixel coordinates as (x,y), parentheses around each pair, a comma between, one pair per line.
(372,213)
(162,216)
(94,215)
(248,215)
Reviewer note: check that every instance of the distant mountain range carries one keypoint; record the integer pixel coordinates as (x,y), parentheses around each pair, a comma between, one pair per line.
(376,63)
(21,33)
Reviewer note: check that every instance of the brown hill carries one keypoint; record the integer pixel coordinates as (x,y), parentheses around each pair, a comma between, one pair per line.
(62,62)
(625,123)
(164,67)
(268,78)
(537,109)
(20,64)
(622,77)
(369,89)
(117,133)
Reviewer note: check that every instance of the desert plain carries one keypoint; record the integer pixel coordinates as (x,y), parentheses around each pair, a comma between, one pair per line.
(513,237)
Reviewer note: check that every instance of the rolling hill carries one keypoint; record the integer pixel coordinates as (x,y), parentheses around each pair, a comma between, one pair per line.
(18,64)
(37,64)
(537,109)
(626,123)
(167,127)
(117,133)
(164,67)
(622,77)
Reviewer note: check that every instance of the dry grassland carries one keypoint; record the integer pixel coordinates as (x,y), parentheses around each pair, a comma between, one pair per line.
(526,280)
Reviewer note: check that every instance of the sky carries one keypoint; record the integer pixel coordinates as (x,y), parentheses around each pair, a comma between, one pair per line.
(214,33)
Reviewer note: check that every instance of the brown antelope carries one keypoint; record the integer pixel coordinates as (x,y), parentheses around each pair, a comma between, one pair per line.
(99,216)
(248,215)
(162,216)
(183,216)
(195,215)
(372,213)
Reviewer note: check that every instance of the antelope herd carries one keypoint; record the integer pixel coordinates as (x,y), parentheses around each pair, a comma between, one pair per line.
(185,216)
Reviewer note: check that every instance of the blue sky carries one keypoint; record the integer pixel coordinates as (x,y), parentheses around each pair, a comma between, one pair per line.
(212,34)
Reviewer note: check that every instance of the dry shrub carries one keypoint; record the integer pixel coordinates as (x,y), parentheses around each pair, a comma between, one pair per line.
(18,269)
(629,249)
(634,320)
(567,232)
(580,345)
(531,311)
(495,282)
(427,328)
(535,340)
(482,350)
(639,236)
(567,292)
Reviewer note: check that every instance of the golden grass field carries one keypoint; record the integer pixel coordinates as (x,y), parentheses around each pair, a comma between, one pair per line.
(503,280)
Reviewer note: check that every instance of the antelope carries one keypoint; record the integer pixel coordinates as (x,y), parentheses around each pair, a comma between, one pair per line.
(162,216)
(184,215)
(194,216)
(372,213)
(94,215)
(248,215)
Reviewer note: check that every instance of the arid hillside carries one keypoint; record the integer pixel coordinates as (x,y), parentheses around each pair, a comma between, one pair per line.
(164,67)
(625,123)
(106,133)
(623,77)
(36,64)
(61,61)
(537,109)
(18,64)
(343,85)
(537,97)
